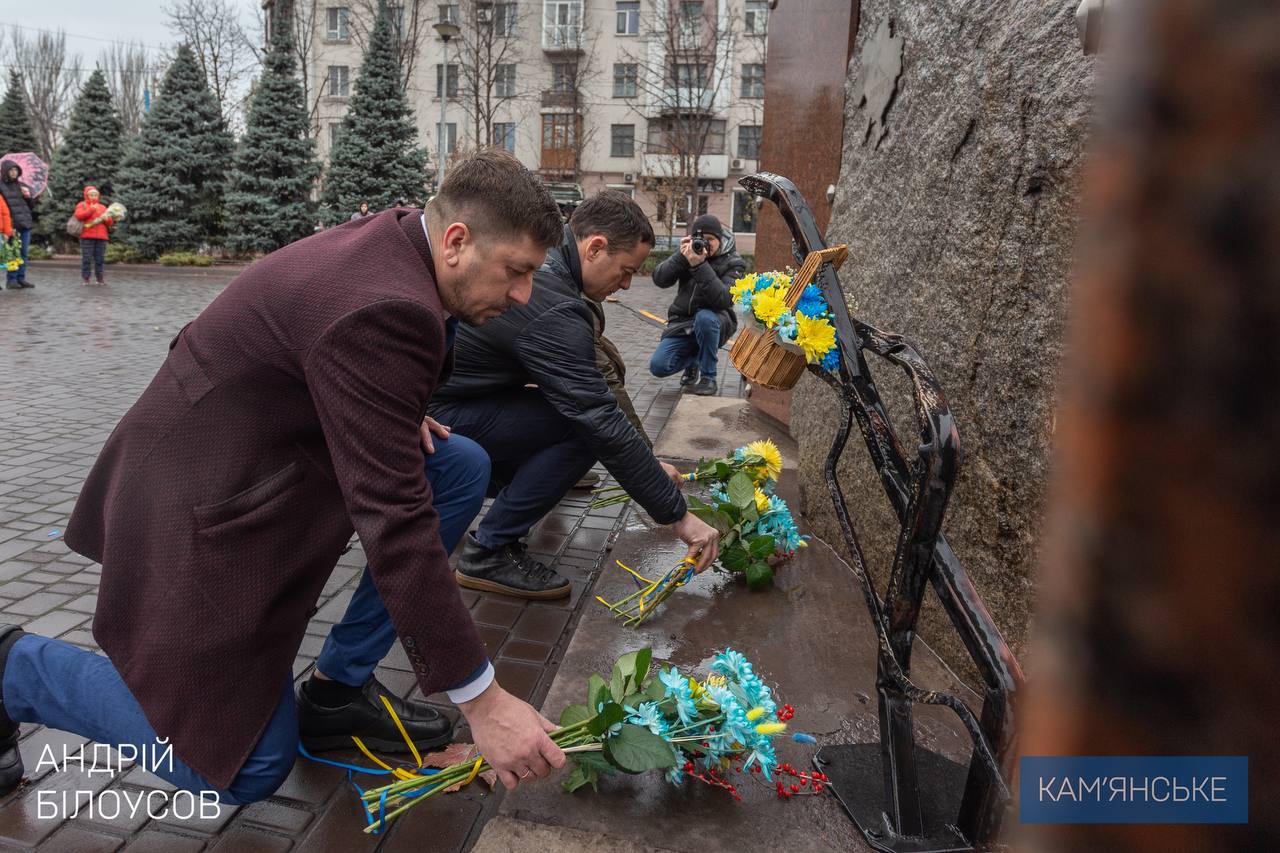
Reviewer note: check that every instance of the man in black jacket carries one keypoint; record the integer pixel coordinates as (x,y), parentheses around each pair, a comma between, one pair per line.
(701,317)
(542,439)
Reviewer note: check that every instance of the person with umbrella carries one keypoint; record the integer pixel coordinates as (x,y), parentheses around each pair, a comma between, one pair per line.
(19,199)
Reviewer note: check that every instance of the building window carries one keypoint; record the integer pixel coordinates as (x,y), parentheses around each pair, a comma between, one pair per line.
(687,206)
(504,135)
(690,75)
(395,15)
(504,19)
(749,142)
(753,80)
(334,129)
(449,13)
(744,213)
(452,81)
(339,81)
(564,76)
(451,136)
(625,80)
(628,190)
(628,17)
(757,17)
(622,140)
(561,23)
(339,28)
(685,134)
(560,140)
(504,80)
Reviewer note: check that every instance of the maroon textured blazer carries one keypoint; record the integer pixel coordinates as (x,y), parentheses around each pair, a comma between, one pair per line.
(285,415)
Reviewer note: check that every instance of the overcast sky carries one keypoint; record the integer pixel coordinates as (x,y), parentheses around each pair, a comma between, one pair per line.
(92,24)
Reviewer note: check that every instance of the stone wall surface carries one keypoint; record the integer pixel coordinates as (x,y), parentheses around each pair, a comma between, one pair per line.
(964,133)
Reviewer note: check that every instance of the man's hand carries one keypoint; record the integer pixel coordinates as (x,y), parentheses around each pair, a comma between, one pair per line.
(512,736)
(673,474)
(686,249)
(429,427)
(703,539)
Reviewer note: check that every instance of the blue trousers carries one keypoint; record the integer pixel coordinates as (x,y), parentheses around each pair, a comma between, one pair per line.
(679,352)
(93,253)
(536,453)
(20,274)
(61,686)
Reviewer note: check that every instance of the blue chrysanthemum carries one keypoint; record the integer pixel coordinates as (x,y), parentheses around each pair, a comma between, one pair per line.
(649,716)
(786,327)
(812,303)
(831,361)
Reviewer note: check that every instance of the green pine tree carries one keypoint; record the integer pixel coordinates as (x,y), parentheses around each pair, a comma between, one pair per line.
(176,168)
(269,203)
(375,157)
(91,148)
(15,121)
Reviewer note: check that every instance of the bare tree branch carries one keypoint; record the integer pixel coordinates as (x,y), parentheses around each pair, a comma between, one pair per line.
(129,72)
(216,34)
(51,79)
(411,23)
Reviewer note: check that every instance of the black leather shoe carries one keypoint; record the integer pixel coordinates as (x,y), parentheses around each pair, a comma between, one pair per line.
(11,770)
(690,376)
(324,728)
(508,570)
(12,285)
(706,387)
(25,284)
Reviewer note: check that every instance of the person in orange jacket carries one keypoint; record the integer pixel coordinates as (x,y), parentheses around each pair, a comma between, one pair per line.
(93,239)
(6,221)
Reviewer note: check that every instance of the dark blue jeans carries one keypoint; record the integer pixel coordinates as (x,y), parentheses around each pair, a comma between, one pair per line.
(20,274)
(536,454)
(700,348)
(93,250)
(58,685)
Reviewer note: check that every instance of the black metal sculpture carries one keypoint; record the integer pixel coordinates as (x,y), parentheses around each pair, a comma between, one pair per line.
(927,803)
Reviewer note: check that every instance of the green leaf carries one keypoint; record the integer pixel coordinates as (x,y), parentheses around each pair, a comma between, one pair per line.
(655,690)
(762,546)
(629,672)
(573,714)
(741,491)
(735,559)
(597,692)
(722,470)
(594,761)
(610,715)
(759,575)
(635,749)
(576,779)
(721,522)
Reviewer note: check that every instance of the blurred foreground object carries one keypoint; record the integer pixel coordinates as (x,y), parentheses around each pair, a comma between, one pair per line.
(1158,629)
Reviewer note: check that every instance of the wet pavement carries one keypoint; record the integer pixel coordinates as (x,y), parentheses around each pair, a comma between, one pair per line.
(810,636)
(72,360)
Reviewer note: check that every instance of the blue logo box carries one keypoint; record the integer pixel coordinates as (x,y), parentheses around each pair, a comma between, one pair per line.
(1134,789)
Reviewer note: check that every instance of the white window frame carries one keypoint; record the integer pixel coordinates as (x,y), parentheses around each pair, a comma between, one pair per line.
(342,76)
(628,19)
(338,23)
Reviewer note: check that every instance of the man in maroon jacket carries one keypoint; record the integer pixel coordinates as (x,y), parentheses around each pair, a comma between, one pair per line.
(285,416)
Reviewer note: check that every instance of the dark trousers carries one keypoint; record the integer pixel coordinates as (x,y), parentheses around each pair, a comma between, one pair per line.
(535,453)
(64,687)
(24,239)
(92,250)
(698,348)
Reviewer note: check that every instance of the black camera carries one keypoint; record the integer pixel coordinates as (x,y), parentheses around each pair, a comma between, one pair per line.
(699,244)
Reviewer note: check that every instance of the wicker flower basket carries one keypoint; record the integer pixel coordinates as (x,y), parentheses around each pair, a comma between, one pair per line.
(759,356)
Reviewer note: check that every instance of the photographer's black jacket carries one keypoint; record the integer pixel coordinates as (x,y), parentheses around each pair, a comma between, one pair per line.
(704,286)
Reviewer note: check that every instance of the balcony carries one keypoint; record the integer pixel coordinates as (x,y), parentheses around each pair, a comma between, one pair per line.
(562,38)
(682,99)
(559,100)
(710,166)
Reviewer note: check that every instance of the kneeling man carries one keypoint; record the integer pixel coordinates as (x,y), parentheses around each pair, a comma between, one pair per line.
(542,439)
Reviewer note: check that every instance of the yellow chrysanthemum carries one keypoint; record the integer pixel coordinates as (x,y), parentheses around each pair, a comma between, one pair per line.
(769,305)
(762,501)
(743,286)
(716,681)
(768,451)
(815,337)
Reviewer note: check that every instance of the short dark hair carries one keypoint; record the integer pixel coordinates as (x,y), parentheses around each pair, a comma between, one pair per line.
(615,216)
(498,197)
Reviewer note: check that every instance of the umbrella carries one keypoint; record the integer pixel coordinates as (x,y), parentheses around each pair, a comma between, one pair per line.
(35,172)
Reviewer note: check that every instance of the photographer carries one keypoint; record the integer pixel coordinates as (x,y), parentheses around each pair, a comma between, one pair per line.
(701,317)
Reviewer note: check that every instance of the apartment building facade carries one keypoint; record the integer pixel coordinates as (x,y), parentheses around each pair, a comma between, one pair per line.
(651,97)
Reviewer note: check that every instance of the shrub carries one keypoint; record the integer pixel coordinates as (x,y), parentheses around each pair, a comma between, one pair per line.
(119,253)
(39,253)
(656,257)
(185,259)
